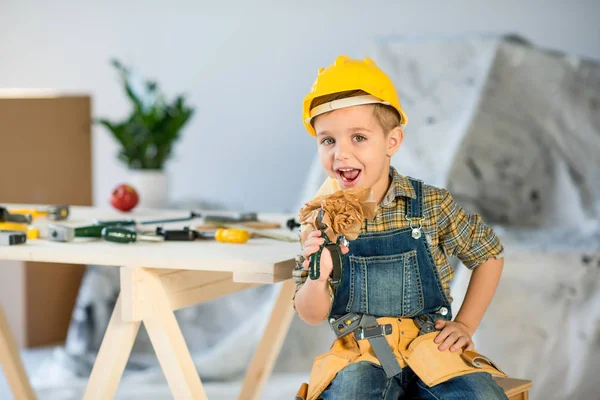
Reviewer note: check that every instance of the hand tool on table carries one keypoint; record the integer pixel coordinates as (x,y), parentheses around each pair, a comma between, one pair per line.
(118,234)
(6,216)
(30,231)
(62,233)
(123,235)
(10,238)
(314,271)
(228,235)
(249,224)
(253,231)
(245,218)
(235,219)
(131,221)
(292,224)
(53,213)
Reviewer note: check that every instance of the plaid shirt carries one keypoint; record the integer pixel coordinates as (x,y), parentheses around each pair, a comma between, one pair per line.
(449,230)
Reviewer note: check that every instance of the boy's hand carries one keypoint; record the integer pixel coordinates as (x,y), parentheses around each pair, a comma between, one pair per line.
(454,335)
(311,246)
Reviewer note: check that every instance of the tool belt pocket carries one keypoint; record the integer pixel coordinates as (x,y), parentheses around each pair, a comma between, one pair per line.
(434,366)
(326,366)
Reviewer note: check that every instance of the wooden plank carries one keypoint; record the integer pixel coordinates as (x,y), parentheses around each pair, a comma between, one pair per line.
(169,345)
(113,355)
(281,271)
(133,304)
(513,387)
(268,349)
(202,293)
(256,256)
(10,360)
(183,288)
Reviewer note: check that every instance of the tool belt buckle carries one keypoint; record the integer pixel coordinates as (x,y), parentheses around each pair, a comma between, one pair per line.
(373,331)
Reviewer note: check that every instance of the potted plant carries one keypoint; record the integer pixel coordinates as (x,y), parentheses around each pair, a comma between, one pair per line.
(147,134)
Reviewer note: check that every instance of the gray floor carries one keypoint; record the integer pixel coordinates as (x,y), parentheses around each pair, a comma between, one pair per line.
(31,359)
(281,386)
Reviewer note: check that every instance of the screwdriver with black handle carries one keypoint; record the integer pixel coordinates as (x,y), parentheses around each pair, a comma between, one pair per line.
(123,235)
(6,216)
(229,235)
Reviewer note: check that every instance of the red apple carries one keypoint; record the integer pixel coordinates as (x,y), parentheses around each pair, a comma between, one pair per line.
(124,197)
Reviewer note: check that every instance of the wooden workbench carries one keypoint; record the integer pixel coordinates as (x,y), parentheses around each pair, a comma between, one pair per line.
(156,279)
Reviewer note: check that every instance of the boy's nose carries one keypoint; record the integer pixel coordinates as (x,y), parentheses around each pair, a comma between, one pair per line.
(341,153)
(340,156)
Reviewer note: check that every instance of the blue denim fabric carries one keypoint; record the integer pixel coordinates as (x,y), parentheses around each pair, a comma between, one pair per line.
(366,381)
(393,274)
(477,386)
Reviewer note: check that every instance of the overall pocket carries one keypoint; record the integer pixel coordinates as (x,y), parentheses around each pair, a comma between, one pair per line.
(386,285)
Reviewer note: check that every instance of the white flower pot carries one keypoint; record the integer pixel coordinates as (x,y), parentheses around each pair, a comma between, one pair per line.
(152,187)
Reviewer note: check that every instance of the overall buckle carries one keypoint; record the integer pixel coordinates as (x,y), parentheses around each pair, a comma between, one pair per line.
(374,331)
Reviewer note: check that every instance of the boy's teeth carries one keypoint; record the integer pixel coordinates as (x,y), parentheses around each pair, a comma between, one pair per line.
(349,174)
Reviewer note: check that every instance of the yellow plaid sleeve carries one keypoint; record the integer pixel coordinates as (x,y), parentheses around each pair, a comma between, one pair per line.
(299,276)
(466,236)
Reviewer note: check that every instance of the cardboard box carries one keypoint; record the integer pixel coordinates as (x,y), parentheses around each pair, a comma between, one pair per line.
(45,142)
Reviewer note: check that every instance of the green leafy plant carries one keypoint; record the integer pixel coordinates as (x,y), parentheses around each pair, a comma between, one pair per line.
(147,135)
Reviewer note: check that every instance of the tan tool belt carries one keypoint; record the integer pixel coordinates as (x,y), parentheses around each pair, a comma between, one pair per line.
(420,353)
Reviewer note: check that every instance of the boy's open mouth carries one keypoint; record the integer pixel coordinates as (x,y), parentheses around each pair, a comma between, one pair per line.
(348,176)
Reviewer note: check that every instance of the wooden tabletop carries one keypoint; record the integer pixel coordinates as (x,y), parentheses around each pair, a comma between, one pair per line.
(266,260)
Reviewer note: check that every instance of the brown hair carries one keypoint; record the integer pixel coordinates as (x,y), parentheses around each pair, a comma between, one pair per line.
(387,116)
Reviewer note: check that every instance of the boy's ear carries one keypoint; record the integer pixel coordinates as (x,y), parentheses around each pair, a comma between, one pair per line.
(394,140)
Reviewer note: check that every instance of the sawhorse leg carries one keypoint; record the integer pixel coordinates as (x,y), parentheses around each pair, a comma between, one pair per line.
(11,363)
(150,296)
(268,349)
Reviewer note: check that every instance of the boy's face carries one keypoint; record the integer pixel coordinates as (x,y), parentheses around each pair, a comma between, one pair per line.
(355,150)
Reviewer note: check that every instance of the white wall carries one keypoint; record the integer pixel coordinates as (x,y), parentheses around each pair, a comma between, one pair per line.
(246,66)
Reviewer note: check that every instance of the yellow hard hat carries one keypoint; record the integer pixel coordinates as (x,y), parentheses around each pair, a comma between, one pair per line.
(349,74)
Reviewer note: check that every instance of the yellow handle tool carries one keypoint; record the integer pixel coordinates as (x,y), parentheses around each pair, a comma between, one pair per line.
(232,235)
(54,213)
(32,233)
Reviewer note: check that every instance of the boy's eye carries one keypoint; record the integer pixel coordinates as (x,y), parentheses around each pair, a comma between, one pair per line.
(359,138)
(327,141)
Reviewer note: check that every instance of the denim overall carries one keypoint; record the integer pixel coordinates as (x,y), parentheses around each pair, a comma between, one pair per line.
(393,274)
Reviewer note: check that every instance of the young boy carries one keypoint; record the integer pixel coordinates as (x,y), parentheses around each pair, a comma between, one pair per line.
(396,274)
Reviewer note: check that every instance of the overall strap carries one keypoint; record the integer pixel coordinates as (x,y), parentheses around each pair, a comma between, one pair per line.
(414,207)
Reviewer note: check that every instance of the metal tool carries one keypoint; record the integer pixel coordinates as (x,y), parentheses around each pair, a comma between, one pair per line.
(365,326)
(255,232)
(292,224)
(31,232)
(230,235)
(314,271)
(186,234)
(208,219)
(426,323)
(6,216)
(61,233)
(243,217)
(11,238)
(53,213)
(130,221)
(123,235)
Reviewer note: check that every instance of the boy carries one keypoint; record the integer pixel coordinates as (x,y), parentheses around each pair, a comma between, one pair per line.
(395,274)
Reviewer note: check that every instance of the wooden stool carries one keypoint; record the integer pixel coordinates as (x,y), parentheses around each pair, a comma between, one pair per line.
(515,389)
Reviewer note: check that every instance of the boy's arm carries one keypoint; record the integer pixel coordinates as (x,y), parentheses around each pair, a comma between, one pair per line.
(469,238)
(482,287)
(313,298)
